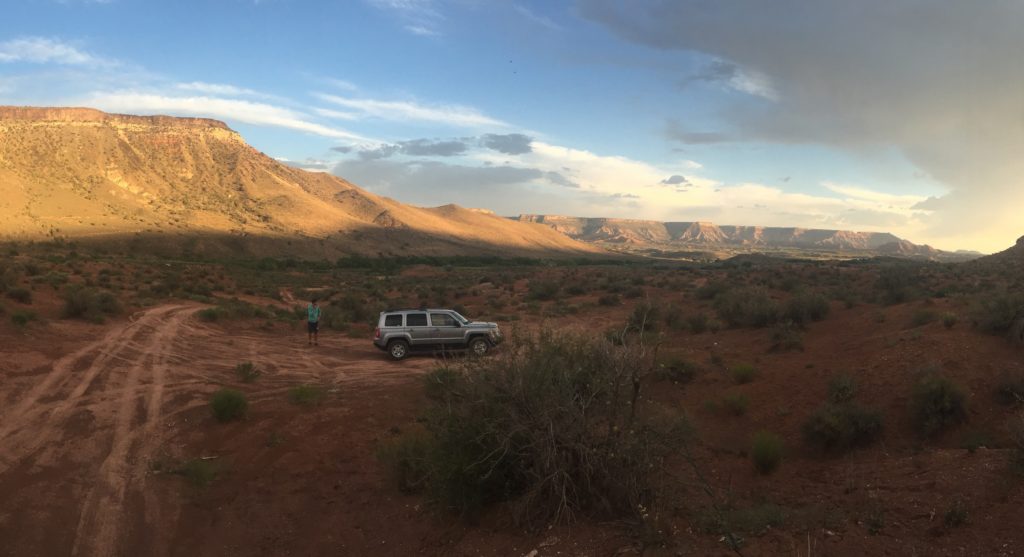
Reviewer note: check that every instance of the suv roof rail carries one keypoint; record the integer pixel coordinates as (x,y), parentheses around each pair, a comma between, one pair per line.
(408,309)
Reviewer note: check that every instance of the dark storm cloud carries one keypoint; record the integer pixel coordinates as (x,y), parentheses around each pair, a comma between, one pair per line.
(429,148)
(342,149)
(558,179)
(938,81)
(675,131)
(510,144)
(674,180)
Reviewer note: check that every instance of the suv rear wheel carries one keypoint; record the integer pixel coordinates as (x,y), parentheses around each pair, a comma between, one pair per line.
(398,349)
(479,346)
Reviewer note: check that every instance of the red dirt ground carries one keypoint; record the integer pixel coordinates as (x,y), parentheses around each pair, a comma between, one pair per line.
(92,415)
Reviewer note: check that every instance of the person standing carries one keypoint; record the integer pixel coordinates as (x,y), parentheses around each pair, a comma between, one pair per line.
(313,319)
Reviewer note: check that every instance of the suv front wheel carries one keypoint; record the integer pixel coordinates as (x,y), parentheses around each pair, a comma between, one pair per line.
(398,349)
(479,346)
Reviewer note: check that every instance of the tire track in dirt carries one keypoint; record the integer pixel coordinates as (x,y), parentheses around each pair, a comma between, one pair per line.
(19,439)
(98,531)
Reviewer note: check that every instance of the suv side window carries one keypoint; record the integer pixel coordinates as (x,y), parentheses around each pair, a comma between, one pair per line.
(442,320)
(394,320)
(415,320)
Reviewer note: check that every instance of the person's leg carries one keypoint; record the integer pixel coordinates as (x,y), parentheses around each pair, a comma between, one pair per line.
(316,335)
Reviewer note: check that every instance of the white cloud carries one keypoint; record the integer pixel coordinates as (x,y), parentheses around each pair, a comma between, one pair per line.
(419,17)
(407,111)
(876,197)
(541,20)
(249,112)
(217,89)
(42,50)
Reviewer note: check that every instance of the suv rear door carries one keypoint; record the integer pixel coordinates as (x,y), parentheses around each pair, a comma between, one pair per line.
(446,328)
(420,332)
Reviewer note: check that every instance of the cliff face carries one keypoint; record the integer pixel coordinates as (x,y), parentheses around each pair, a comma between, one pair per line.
(709,235)
(77,172)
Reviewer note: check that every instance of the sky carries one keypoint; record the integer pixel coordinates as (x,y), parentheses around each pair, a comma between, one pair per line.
(904,116)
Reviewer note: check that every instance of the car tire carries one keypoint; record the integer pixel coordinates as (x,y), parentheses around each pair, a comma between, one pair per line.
(398,349)
(479,346)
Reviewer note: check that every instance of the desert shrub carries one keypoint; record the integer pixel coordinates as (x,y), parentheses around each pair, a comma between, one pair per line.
(766,452)
(839,427)
(20,295)
(786,337)
(747,307)
(200,473)
(539,289)
(711,289)
(408,458)
(998,313)
(805,307)
(548,425)
(949,319)
(897,283)
(228,405)
(974,440)
(673,317)
(922,317)
(22,318)
(698,322)
(678,370)
(306,395)
(842,388)
(735,403)
(956,515)
(85,303)
(247,372)
(609,300)
(936,404)
(1010,389)
(645,317)
(743,373)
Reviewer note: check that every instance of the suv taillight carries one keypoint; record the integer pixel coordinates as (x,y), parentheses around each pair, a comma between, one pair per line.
(376,333)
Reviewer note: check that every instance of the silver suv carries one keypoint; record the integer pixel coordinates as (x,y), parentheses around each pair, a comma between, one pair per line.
(400,331)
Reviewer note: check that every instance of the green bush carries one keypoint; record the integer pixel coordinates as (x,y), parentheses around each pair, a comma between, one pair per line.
(936,404)
(923,317)
(747,307)
(766,452)
(228,405)
(82,302)
(247,372)
(786,337)
(20,295)
(711,289)
(949,319)
(998,313)
(1010,389)
(805,307)
(198,472)
(306,395)
(645,317)
(698,323)
(839,427)
(841,388)
(22,318)
(408,459)
(735,403)
(548,425)
(678,370)
(743,373)
(543,290)
(609,300)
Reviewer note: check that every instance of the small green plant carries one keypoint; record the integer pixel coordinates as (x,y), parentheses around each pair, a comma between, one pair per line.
(407,458)
(837,428)
(949,319)
(247,372)
(956,515)
(735,403)
(678,370)
(1010,389)
(306,395)
(936,404)
(228,405)
(82,302)
(698,323)
(787,337)
(20,295)
(609,300)
(805,307)
(747,307)
(842,388)
(199,472)
(923,317)
(743,373)
(974,440)
(22,318)
(875,521)
(766,452)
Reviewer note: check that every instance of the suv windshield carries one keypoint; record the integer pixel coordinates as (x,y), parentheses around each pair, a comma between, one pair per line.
(461,319)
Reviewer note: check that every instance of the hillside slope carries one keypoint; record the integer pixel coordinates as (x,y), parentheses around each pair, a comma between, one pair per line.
(76,173)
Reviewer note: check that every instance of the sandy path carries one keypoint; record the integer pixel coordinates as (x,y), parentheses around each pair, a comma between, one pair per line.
(77,445)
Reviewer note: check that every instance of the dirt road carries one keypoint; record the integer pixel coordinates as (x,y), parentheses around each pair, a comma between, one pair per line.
(79,433)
